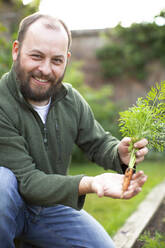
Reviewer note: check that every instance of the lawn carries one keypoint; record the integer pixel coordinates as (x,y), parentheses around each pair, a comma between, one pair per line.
(112,213)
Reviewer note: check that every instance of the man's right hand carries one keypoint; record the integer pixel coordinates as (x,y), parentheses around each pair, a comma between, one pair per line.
(110,185)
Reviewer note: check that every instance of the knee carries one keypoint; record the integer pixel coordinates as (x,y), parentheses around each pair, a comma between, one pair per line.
(8,189)
(7,179)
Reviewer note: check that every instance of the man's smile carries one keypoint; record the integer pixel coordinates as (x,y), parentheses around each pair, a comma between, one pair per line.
(40,80)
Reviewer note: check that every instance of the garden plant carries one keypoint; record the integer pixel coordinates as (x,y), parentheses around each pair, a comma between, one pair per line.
(146,119)
(158,241)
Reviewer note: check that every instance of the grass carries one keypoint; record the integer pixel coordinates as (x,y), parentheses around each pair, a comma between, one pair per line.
(112,213)
(157,241)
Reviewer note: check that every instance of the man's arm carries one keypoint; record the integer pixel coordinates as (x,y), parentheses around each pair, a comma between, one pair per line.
(110,184)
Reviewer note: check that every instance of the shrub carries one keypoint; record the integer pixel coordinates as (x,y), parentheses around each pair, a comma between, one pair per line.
(128,50)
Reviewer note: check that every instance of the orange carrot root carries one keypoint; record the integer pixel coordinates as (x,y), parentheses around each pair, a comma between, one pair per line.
(127,179)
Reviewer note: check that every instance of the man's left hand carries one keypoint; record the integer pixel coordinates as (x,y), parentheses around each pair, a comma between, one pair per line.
(125,154)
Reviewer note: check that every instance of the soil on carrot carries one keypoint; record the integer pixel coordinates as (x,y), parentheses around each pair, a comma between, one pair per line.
(156,224)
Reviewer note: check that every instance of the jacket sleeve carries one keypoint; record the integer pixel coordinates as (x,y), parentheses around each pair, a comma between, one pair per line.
(99,145)
(36,187)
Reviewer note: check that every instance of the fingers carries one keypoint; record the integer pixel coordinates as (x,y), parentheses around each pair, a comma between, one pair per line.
(139,160)
(126,141)
(143,150)
(141,143)
(131,193)
(124,153)
(136,184)
(137,175)
(139,179)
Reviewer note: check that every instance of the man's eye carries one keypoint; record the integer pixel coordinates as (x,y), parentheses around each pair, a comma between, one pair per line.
(36,56)
(58,61)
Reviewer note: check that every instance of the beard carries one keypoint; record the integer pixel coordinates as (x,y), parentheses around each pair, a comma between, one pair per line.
(39,94)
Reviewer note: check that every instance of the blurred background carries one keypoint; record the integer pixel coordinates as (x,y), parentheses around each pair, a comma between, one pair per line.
(118,50)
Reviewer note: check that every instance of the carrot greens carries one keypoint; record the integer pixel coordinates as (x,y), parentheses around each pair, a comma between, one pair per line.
(145,119)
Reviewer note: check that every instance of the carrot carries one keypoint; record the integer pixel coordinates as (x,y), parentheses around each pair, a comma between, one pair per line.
(127,178)
(129,171)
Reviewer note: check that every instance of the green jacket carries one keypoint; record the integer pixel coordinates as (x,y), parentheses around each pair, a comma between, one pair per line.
(39,155)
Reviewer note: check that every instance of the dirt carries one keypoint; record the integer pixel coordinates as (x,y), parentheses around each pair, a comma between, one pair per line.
(156,224)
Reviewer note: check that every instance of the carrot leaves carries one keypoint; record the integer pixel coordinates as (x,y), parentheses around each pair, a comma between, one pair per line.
(146,119)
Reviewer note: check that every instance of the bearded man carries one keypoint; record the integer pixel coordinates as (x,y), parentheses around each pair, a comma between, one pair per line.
(41,118)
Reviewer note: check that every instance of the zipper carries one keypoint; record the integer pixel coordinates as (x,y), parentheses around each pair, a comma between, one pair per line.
(44,131)
(45,136)
(58,140)
(43,128)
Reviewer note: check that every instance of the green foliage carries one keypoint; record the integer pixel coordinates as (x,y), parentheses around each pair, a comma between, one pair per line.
(110,66)
(129,50)
(31,7)
(153,242)
(5,51)
(146,119)
(162,14)
(104,109)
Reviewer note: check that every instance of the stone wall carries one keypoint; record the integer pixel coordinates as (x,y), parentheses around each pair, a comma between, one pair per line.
(126,90)
(8,16)
(84,47)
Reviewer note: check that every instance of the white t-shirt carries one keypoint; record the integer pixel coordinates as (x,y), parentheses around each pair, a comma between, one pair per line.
(42,111)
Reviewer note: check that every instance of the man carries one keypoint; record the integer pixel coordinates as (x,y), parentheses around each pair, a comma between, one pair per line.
(41,119)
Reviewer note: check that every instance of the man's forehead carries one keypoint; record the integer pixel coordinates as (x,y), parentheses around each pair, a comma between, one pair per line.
(46,24)
(53,24)
(45,38)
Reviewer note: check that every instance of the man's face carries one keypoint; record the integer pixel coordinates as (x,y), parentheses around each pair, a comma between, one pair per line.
(40,62)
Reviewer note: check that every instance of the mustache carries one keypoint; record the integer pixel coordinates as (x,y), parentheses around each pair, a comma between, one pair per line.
(50,78)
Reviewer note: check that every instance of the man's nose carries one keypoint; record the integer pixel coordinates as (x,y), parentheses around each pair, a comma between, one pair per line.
(45,67)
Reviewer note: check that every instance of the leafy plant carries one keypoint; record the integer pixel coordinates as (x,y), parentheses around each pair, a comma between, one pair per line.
(157,241)
(146,119)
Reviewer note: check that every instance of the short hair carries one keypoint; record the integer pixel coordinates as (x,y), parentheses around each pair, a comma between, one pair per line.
(27,21)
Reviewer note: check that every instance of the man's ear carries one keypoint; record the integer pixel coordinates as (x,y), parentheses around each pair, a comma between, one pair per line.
(69,55)
(15,50)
